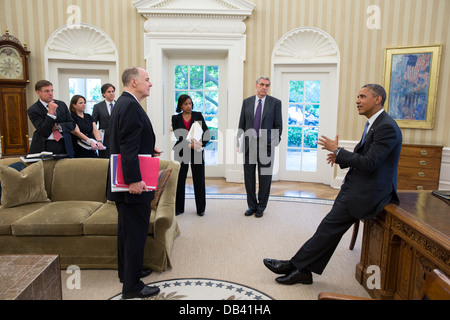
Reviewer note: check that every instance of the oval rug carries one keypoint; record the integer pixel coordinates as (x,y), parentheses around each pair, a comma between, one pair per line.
(203,289)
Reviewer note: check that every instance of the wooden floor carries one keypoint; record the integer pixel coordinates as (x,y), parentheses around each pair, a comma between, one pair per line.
(279,188)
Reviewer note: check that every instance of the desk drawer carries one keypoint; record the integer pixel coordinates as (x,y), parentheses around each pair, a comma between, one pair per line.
(417,185)
(422,151)
(422,162)
(416,174)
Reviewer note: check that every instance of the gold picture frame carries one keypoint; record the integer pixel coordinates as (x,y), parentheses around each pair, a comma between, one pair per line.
(411,79)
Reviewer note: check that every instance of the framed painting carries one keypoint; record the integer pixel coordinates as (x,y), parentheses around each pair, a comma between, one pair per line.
(411,80)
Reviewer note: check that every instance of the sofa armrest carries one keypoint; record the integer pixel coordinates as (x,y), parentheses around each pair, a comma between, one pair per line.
(165,213)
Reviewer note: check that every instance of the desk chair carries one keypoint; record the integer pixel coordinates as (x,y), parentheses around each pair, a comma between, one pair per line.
(436,287)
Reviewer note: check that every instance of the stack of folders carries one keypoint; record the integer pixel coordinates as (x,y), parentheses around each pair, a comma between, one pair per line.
(44,155)
(445,195)
(148,165)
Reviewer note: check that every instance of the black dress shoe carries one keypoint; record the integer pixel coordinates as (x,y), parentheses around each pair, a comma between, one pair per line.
(259,214)
(201,214)
(249,212)
(146,292)
(279,266)
(145,273)
(296,276)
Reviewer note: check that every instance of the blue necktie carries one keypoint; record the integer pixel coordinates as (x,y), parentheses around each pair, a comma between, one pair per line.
(112,107)
(257,124)
(365,131)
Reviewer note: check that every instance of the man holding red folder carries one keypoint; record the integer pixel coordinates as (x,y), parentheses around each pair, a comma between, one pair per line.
(131,134)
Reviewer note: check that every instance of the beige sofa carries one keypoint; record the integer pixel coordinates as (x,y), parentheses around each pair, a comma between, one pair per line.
(60,207)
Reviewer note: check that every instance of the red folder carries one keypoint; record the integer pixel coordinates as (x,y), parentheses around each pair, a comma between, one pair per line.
(149,167)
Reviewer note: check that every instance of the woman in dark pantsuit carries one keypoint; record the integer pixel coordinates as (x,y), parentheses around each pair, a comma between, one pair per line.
(190,152)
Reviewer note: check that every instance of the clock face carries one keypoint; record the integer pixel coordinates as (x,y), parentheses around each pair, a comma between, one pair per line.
(11,64)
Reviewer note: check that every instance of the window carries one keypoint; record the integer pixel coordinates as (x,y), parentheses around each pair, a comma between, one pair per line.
(303,126)
(201,83)
(88,88)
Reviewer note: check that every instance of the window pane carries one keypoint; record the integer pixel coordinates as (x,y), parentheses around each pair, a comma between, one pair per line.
(312,115)
(294,160)
(93,89)
(77,86)
(309,161)
(296,115)
(312,91)
(212,103)
(212,154)
(197,78)
(295,137)
(212,78)
(197,100)
(213,125)
(311,137)
(296,91)
(181,77)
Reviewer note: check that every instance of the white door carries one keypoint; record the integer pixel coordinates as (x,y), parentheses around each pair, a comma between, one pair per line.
(203,79)
(87,83)
(308,113)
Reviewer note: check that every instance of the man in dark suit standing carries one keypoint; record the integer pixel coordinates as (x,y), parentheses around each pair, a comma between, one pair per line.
(260,129)
(131,135)
(370,184)
(102,115)
(53,123)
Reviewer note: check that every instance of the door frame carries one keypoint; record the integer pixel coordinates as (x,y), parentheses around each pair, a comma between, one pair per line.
(328,117)
(200,59)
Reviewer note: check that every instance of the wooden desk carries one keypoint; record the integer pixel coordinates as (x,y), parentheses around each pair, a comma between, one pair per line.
(407,242)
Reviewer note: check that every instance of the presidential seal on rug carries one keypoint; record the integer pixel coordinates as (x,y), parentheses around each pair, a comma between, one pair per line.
(203,289)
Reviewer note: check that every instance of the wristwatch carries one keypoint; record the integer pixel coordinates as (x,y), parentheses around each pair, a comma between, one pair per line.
(336,151)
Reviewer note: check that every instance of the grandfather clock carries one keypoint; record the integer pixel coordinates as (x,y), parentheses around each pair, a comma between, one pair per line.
(14,77)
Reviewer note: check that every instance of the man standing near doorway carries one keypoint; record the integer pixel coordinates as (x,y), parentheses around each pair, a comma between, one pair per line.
(102,115)
(260,129)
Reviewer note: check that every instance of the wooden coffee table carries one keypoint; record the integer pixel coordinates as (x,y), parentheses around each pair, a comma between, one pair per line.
(30,277)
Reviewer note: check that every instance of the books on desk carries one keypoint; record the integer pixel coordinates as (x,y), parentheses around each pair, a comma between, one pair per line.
(148,165)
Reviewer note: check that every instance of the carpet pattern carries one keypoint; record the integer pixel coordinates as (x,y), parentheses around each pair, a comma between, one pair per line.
(203,289)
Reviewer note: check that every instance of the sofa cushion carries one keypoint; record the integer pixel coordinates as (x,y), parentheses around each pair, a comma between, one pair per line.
(19,166)
(10,215)
(80,180)
(104,221)
(56,219)
(163,177)
(24,187)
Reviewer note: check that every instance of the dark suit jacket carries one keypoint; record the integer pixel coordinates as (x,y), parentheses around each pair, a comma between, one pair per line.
(271,120)
(44,126)
(101,116)
(131,134)
(181,133)
(371,183)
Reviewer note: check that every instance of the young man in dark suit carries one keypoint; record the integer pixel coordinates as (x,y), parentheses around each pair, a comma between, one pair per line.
(260,129)
(131,135)
(370,184)
(53,123)
(102,115)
